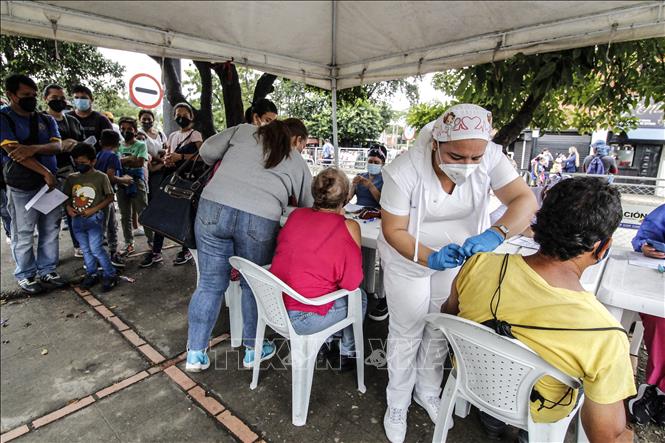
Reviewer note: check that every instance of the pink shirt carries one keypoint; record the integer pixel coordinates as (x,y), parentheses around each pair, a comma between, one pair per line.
(316,255)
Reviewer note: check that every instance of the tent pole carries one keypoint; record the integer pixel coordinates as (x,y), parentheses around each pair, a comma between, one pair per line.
(334,121)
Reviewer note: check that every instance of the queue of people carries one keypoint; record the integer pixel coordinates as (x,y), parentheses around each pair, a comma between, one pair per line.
(435,244)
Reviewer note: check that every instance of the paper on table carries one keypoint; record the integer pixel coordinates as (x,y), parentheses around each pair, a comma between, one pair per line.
(523,241)
(90,140)
(350,207)
(637,259)
(45,202)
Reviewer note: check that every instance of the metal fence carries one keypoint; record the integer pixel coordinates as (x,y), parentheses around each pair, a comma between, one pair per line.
(352,160)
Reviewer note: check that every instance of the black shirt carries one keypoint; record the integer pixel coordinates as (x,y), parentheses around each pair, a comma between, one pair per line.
(93,124)
(69,127)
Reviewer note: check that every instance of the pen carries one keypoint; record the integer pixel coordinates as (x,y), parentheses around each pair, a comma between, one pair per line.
(369,220)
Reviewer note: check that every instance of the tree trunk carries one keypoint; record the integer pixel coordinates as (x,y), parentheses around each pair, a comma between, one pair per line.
(204,119)
(231,92)
(264,86)
(509,132)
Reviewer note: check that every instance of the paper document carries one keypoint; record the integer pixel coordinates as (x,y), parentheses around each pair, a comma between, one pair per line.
(90,140)
(350,207)
(45,202)
(525,242)
(637,259)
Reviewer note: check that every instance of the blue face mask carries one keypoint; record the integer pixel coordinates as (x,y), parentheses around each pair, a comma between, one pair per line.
(83,168)
(82,104)
(373,169)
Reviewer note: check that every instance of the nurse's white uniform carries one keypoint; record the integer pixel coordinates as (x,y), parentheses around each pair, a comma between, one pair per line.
(411,188)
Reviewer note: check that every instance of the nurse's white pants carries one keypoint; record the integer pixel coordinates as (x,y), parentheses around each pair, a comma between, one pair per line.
(415,352)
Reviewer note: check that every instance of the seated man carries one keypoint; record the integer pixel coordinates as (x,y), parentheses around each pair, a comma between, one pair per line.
(574,229)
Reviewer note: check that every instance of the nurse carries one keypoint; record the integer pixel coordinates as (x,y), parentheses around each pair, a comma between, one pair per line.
(434,215)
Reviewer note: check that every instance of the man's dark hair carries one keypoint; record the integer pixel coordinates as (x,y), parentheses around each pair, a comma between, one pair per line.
(130,120)
(84,150)
(109,138)
(146,111)
(14,82)
(83,89)
(47,90)
(577,213)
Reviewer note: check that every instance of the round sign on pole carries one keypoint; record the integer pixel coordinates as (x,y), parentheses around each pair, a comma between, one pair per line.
(145,91)
(409,133)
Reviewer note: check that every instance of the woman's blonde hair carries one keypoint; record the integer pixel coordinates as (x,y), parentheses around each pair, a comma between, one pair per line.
(330,189)
(577,155)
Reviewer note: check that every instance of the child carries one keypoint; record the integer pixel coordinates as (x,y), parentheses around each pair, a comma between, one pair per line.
(89,192)
(108,162)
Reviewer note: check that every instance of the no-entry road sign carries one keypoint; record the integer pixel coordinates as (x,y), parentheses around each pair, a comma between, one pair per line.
(145,91)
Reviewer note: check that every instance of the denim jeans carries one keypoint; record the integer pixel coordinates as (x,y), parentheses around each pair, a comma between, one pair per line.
(129,205)
(4,212)
(110,228)
(22,230)
(222,232)
(310,322)
(89,231)
(68,219)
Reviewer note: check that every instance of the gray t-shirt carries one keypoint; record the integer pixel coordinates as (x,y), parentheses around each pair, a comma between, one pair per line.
(609,163)
(242,182)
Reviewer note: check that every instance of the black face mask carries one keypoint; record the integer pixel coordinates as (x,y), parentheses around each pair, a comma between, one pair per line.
(146,125)
(183,122)
(57,105)
(28,104)
(83,168)
(128,135)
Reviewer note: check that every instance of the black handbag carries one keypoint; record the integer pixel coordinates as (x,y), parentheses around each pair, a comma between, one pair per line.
(172,209)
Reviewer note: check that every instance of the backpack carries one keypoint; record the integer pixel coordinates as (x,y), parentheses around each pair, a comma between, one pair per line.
(596,166)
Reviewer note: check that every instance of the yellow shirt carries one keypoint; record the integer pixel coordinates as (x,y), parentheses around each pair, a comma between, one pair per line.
(600,359)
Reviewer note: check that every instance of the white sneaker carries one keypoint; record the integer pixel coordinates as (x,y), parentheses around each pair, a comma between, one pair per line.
(394,424)
(430,404)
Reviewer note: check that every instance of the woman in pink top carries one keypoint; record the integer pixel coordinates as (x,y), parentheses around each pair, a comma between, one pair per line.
(318,252)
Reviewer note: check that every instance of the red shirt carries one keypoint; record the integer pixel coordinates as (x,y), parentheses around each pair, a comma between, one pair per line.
(315,256)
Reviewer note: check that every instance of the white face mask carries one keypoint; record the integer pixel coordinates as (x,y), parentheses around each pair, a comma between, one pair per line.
(373,169)
(457,172)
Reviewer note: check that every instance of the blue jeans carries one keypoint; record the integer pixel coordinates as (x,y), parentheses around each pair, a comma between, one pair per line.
(89,232)
(22,230)
(4,213)
(309,322)
(222,232)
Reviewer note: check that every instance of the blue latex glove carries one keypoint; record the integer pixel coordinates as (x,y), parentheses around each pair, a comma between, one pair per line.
(486,241)
(450,256)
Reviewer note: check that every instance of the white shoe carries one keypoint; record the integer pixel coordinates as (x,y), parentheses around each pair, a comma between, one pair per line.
(394,424)
(430,404)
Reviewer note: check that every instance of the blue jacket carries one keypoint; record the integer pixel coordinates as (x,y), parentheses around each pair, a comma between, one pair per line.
(652,228)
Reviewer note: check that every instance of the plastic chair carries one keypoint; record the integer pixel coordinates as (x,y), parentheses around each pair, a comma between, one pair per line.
(233,300)
(496,374)
(268,291)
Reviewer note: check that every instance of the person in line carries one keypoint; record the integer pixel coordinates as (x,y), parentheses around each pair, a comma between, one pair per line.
(89,193)
(261,162)
(71,133)
(572,162)
(434,214)
(108,162)
(649,404)
(154,137)
(327,153)
(133,198)
(367,186)
(29,141)
(92,122)
(600,162)
(544,291)
(260,113)
(549,159)
(180,146)
(318,252)
(111,117)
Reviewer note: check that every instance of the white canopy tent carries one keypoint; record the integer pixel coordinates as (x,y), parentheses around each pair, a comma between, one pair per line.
(338,44)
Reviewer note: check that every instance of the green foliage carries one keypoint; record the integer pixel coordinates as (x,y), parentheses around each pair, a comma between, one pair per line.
(423,113)
(72,64)
(585,88)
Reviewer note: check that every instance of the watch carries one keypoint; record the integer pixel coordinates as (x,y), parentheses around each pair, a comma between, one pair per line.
(503,229)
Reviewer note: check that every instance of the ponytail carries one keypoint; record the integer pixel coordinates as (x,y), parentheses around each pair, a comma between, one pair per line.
(276,140)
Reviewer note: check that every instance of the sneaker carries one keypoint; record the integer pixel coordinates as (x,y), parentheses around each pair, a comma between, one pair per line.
(117,260)
(151,259)
(53,279)
(8,240)
(182,258)
(380,311)
(197,361)
(30,285)
(430,403)
(394,424)
(109,283)
(129,249)
(89,281)
(267,352)
(643,406)
(78,253)
(139,231)
(658,414)
(493,427)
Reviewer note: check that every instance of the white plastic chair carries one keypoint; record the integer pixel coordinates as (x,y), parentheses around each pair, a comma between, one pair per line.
(268,291)
(233,300)
(496,374)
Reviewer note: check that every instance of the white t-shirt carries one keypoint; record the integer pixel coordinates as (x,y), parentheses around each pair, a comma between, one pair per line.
(154,144)
(177,138)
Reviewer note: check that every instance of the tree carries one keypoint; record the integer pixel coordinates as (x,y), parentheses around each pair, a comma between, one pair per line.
(423,113)
(585,88)
(70,64)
